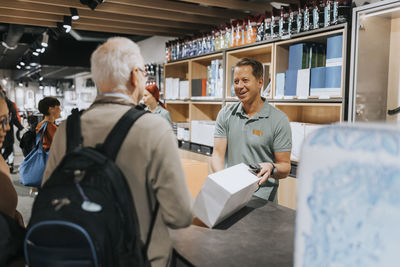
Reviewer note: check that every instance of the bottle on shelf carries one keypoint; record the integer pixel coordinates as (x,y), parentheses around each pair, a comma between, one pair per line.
(299,19)
(306,18)
(315,15)
(260,29)
(267,25)
(327,13)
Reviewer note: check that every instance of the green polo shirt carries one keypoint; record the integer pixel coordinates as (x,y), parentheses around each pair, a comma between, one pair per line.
(163,112)
(253,140)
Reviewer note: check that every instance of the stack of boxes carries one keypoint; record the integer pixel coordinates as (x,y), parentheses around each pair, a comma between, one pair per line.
(312,71)
(176,89)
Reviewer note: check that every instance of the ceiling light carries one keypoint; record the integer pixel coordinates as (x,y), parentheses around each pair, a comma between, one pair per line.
(40,86)
(22,63)
(67,22)
(35,53)
(28,67)
(20,84)
(41,78)
(45,40)
(18,67)
(43,49)
(74,13)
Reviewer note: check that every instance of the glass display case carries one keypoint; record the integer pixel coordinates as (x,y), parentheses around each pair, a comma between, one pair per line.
(375,63)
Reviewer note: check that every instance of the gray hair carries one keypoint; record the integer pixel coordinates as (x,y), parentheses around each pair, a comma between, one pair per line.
(113,61)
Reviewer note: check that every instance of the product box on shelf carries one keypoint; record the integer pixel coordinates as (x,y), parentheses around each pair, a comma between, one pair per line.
(202,132)
(334,51)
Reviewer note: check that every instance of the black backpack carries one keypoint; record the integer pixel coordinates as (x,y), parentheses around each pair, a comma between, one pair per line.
(84,214)
(27,141)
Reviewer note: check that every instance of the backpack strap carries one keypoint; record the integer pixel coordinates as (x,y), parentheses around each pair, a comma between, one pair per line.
(74,135)
(116,137)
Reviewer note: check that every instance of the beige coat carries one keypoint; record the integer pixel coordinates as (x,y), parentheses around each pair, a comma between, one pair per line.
(149,152)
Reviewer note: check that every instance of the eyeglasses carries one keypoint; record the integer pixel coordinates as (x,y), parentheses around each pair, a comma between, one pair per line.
(5,121)
(144,72)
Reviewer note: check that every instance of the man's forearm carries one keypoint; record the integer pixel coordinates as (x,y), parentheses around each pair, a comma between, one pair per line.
(217,163)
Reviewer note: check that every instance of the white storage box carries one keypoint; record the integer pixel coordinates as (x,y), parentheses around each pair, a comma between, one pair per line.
(224,193)
(203,132)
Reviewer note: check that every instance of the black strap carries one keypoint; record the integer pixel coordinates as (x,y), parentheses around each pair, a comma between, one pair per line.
(117,135)
(153,222)
(74,135)
(271,197)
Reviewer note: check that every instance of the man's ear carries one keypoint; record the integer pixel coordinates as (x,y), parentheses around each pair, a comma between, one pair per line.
(261,82)
(133,80)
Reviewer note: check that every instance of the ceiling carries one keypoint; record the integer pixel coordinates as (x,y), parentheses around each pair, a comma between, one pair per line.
(135,19)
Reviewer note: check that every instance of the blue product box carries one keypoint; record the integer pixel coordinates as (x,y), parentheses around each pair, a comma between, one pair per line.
(280,84)
(334,47)
(333,77)
(296,56)
(290,82)
(317,80)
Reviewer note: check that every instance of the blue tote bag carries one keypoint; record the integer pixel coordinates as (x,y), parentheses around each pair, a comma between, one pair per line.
(32,168)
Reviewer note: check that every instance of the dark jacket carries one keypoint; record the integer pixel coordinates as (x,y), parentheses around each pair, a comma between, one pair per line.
(9,138)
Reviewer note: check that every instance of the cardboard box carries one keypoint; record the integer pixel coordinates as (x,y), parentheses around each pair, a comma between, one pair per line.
(223,193)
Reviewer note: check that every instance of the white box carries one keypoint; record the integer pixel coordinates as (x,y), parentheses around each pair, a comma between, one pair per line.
(297,139)
(203,132)
(223,193)
(303,83)
(183,90)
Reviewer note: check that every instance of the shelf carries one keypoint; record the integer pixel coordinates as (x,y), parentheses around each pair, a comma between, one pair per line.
(204,111)
(318,113)
(179,112)
(308,100)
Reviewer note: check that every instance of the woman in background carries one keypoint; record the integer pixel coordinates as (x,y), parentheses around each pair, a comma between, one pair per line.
(50,108)
(151,99)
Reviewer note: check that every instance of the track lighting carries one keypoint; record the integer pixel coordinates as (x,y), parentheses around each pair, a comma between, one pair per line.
(74,13)
(67,23)
(45,40)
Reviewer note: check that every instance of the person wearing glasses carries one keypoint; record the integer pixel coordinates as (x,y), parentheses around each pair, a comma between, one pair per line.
(148,158)
(151,98)
(11,222)
(8,145)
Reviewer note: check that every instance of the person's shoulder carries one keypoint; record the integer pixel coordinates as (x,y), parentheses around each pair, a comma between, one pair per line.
(230,109)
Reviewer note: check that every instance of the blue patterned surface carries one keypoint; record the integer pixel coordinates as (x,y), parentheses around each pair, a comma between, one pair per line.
(358,139)
(354,203)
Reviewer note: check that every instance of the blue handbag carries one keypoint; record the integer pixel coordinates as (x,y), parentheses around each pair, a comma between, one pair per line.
(33,165)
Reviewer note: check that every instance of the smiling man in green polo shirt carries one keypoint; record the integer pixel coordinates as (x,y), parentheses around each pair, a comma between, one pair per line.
(252,131)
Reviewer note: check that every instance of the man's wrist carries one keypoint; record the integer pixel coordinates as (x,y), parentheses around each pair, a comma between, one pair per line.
(274,169)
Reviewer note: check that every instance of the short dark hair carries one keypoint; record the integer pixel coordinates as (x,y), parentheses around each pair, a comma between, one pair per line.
(257,67)
(47,102)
